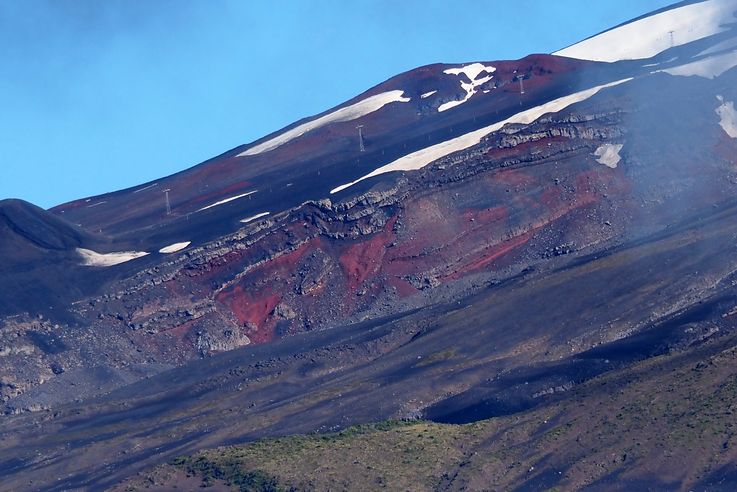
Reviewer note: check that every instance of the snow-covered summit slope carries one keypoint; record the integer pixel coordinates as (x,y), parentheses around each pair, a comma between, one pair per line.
(348,113)
(406,123)
(421,158)
(473,72)
(648,36)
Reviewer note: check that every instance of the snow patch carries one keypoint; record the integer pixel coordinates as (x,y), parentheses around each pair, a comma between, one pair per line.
(348,113)
(727,117)
(708,68)
(608,154)
(254,217)
(93,258)
(647,37)
(146,188)
(728,44)
(421,158)
(227,200)
(427,94)
(648,65)
(173,248)
(471,71)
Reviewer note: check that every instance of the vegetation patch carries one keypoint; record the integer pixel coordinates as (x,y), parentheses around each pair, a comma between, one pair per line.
(629,425)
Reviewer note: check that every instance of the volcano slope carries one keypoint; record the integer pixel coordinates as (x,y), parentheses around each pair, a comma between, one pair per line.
(492,254)
(631,429)
(481,358)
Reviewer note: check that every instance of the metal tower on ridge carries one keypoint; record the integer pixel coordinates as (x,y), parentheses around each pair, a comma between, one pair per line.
(360,138)
(168,204)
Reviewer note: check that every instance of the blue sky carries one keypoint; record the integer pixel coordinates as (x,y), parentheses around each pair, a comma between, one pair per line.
(102,95)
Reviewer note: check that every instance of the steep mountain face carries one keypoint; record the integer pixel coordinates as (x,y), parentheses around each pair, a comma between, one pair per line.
(492,236)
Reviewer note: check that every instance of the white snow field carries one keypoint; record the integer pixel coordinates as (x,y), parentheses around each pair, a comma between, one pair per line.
(146,188)
(254,217)
(93,258)
(472,71)
(647,37)
(427,94)
(608,154)
(727,117)
(728,44)
(423,157)
(708,68)
(173,248)
(348,113)
(227,200)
